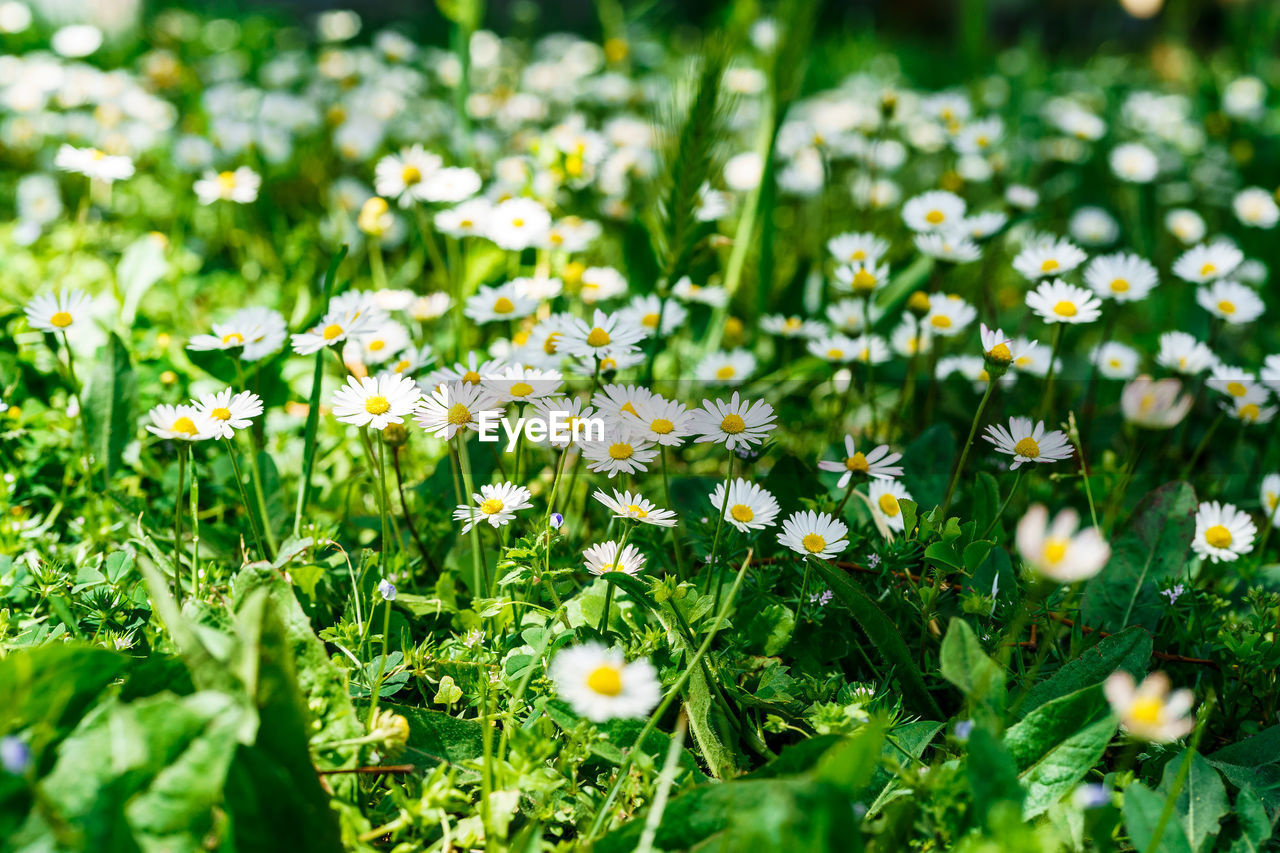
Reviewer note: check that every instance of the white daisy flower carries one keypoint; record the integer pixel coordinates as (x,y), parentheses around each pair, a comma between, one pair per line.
(1053,549)
(572,234)
(1093,226)
(93,164)
(503,302)
(1251,408)
(1207,262)
(581,422)
(240,186)
(814,534)
(612,363)
(1271,372)
(335,327)
(517,224)
(849,315)
(877,464)
(1123,276)
(522,384)
(496,505)
(540,288)
(686,290)
(57,313)
(1026,441)
(180,423)
(1256,208)
(403,176)
(227,411)
(1150,711)
(612,400)
(634,505)
(933,210)
(1134,162)
(472,371)
(837,348)
(449,185)
(1048,257)
(857,248)
(378,344)
(644,311)
(1153,404)
(861,278)
(952,246)
(1182,353)
(1032,357)
(1058,302)
(468,219)
(618,453)
(607,335)
(884,496)
(412,359)
(376,401)
(1223,532)
(792,326)
(979,226)
(1269,497)
(662,421)
(1233,381)
(910,338)
(949,315)
(605,558)
(1021,196)
(455,406)
(600,685)
(734,423)
(601,283)
(870,349)
(1185,224)
(726,368)
(430,307)
(260,331)
(748,507)
(1115,360)
(1231,301)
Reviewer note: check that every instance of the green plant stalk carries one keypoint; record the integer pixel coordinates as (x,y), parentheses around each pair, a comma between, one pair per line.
(1047,402)
(244,499)
(382,502)
(715,541)
(479,576)
(382,664)
(84,427)
(1184,770)
(623,769)
(1005,504)
(486,775)
(968,442)
(195,524)
(665,780)
(177,527)
(603,627)
(264,522)
(676,544)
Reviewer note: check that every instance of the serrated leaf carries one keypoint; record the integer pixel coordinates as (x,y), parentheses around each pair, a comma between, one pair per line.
(109,405)
(1202,802)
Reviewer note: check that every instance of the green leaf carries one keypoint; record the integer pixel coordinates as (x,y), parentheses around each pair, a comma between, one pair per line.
(109,404)
(885,637)
(439,737)
(1053,722)
(967,666)
(1201,804)
(991,772)
(142,265)
(1129,650)
(1254,822)
(927,462)
(1154,546)
(1253,763)
(1142,810)
(1058,744)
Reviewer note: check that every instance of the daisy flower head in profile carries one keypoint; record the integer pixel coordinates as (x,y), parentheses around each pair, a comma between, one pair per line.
(496,505)
(501,302)
(949,315)
(403,176)
(604,336)
(951,245)
(94,164)
(454,406)
(999,351)
(472,371)
(1154,404)
(933,211)
(1115,360)
(1134,163)
(259,332)
(1182,353)
(871,349)
(1186,225)
(884,497)
(518,223)
(450,185)
(865,248)
(733,423)
(376,401)
(179,423)
(1231,301)
(980,226)
(1093,226)
(1223,532)
(646,311)
(791,326)
(57,313)
(517,384)
(836,349)
(1151,710)
(1269,497)
(378,344)
(1057,549)
(240,186)
(613,399)
(686,290)
(1123,276)
(1232,381)
(618,453)
(1048,257)
(1256,208)
(606,557)
(747,506)
(732,367)
(861,279)
(1250,407)
(633,505)
(1058,302)
(600,685)
(338,325)
(1208,262)
(813,534)
(468,219)
(878,464)
(1027,441)
(227,411)
(597,284)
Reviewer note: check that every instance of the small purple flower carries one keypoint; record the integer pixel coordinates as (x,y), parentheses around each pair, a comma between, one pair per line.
(387,590)
(821,598)
(1092,796)
(1174,592)
(15,755)
(557,521)
(873,562)
(963,729)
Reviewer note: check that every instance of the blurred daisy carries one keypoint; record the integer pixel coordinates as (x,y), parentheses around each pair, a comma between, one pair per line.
(734,423)
(403,176)
(813,534)
(877,464)
(606,335)
(1053,549)
(180,423)
(378,345)
(600,283)
(1269,496)
(517,224)
(335,327)
(1182,353)
(93,164)
(1231,301)
(979,226)
(1124,277)
(1207,262)
(1153,404)
(792,326)
(1223,533)
(1115,360)
(1251,407)
(496,505)
(1185,224)
(260,331)
(57,313)
(951,246)
(949,315)
(933,210)
(861,278)
(376,401)
(644,311)
(1048,257)
(1256,208)
(748,507)
(884,496)
(684,289)
(240,186)
(1058,302)
(1093,226)
(468,219)
(1026,441)
(227,411)
(726,368)
(503,302)
(522,384)
(1134,163)
(857,248)
(1150,711)
(837,348)
(633,505)
(600,685)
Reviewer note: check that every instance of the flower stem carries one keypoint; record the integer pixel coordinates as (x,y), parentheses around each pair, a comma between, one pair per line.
(177,526)
(1004,505)
(1046,403)
(968,443)
(195,524)
(244,499)
(479,574)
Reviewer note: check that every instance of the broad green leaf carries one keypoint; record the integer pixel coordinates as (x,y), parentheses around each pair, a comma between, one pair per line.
(1153,547)
(109,405)
(886,639)
(1045,728)
(438,737)
(1253,763)
(1062,768)
(967,666)
(1130,650)
(1142,810)
(1201,804)
(1254,822)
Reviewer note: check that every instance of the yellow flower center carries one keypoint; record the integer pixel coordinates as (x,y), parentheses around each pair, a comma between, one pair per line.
(1226,306)
(221,413)
(227,180)
(726,372)
(1028,448)
(813,543)
(1236,389)
(410,175)
(857,463)
(521,389)
(637,511)
(863,280)
(608,364)
(1146,710)
(620,450)
(858,255)
(732,424)
(61,319)
(1249,412)
(1218,536)
(1119,285)
(741,513)
(889,505)
(1049,265)
(835,354)
(459,414)
(791,324)
(605,680)
(661,426)
(598,337)
(376,405)
(184,425)
(235,339)
(1208,269)
(402,365)
(1001,353)
(935,217)
(1055,550)
(503,305)
(517,222)
(549,345)
(377,346)
(331,331)
(649,321)
(1065,308)
(941,321)
(490,506)
(628,408)
(471,377)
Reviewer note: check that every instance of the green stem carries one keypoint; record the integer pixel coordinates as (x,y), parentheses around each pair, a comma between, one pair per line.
(376,688)
(195,524)
(968,443)
(177,526)
(244,499)
(1005,504)
(264,521)
(479,574)
(1047,402)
